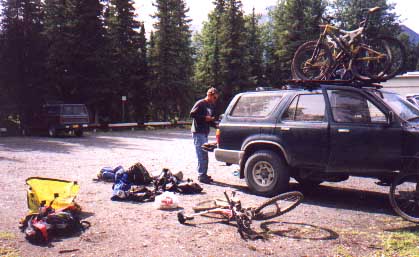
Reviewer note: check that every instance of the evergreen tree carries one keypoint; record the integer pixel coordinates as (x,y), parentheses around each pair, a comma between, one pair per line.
(173,59)
(127,58)
(268,50)
(208,64)
(76,65)
(152,76)
(254,50)
(232,35)
(412,53)
(22,55)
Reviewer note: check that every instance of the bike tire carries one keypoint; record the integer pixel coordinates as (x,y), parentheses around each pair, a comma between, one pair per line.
(281,204)
(404,202)
(209,205)
(398,57)
(366,69)
(305,68)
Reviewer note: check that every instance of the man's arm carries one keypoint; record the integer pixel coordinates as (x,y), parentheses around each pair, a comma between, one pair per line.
(197,113)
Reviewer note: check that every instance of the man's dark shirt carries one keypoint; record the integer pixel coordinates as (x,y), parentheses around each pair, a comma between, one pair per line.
(201,109)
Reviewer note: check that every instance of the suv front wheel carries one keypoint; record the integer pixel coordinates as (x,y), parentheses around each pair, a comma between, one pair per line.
(266,173)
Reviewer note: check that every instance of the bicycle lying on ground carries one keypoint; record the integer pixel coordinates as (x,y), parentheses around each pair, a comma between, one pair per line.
(231,209)
(349,55)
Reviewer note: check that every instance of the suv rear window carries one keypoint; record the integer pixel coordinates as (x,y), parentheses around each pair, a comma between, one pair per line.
(255,105)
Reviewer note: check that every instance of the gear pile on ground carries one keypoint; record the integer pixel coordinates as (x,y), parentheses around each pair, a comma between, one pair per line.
(60,217)
(136,183)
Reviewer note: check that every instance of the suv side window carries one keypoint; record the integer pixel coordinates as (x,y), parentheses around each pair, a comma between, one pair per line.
(306,108)
(352,107)
(255,105)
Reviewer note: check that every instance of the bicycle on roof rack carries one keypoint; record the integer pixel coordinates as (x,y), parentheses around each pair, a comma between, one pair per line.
(231,209)
(349,55)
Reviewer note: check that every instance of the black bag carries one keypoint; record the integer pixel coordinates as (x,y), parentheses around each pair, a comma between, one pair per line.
(138,175)
(189,187)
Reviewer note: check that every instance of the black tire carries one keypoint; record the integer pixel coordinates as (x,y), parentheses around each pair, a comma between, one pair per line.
(78,133)
(181,217)
(266,173)
(404,196)
(308,183)
(305,68)
(278,205)
(398,57)
(209,205)
(305,181)
(371,70)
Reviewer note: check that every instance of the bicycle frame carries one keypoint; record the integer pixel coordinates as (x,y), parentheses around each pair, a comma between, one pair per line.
(346,45)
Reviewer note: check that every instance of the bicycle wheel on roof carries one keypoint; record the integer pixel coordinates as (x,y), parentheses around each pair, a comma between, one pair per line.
(311,61)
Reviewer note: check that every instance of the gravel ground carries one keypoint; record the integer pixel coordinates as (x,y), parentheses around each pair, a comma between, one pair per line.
(346,218)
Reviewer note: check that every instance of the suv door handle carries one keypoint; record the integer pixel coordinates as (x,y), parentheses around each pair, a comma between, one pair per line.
(344,130)
(285,128)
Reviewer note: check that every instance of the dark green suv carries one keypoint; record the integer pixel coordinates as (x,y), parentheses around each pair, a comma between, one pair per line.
(315,134)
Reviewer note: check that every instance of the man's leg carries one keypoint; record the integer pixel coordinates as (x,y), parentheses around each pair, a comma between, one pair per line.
(199,140)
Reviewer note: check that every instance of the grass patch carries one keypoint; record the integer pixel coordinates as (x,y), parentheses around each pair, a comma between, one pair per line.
(8,252)
(401,243)
(7,235)
(342,251)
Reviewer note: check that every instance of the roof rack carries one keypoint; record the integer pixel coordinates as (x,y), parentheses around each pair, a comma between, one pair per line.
(312,84)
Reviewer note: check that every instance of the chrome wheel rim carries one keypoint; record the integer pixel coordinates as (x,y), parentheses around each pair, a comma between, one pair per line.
(263,174)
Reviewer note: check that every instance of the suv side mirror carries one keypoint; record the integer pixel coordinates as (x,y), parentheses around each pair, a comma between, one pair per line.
(221,117)
(390,118)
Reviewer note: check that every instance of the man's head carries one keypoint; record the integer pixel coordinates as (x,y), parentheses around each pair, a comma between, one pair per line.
(212,95)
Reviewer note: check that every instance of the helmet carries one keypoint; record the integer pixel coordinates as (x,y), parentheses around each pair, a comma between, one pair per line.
(121,194)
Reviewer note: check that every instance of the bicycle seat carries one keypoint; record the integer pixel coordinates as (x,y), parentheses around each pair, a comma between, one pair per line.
(374,9)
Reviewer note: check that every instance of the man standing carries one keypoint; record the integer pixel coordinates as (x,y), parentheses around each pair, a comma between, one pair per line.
(202,114)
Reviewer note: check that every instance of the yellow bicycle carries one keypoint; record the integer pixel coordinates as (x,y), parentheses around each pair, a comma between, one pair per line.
(349,55)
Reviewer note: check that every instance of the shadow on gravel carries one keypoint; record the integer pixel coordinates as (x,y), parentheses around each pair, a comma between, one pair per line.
(64,144)
(298,230)
(344,198)
(85,214)
(243,189)
(413,228)
(9,159)
(159,134)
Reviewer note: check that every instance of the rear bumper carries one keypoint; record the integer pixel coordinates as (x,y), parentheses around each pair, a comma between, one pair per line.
(228,156)
(72,126)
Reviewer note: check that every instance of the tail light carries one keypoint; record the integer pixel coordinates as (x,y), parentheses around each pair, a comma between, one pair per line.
(217,135)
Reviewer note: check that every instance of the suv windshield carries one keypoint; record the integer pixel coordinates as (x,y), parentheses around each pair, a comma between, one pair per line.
(400,106)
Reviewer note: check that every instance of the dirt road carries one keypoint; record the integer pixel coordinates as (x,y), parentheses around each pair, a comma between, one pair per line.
(348,218)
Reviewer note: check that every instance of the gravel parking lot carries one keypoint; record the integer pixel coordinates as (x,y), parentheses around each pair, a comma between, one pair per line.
(348,218)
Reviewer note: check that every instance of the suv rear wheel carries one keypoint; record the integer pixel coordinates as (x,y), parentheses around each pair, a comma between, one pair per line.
(266,173)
